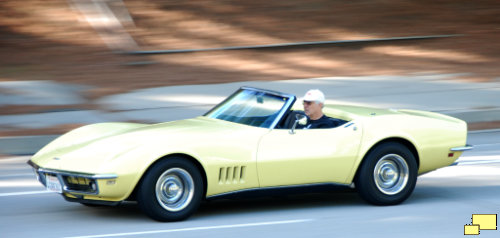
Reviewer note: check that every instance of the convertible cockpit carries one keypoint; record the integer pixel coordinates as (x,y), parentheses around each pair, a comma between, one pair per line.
(260,108)
(291,116)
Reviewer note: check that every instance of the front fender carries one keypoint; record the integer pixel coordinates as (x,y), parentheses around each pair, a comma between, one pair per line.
(131,165)
(374,132)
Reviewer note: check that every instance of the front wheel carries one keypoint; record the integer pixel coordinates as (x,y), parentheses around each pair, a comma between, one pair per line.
(387,175)
(171,190)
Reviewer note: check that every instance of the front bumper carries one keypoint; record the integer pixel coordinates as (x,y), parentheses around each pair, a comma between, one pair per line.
(71,182)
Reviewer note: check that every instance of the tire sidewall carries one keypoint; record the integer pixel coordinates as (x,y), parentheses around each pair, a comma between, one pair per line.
(146,195)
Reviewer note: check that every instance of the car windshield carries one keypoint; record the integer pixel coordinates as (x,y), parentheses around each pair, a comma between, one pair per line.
(253,107)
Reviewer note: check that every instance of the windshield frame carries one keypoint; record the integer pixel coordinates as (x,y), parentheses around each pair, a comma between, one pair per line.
(290,100)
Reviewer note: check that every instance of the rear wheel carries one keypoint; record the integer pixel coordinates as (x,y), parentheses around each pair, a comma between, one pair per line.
(171,190)
(388,174)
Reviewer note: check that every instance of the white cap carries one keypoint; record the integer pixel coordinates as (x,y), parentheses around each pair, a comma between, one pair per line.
(314,95)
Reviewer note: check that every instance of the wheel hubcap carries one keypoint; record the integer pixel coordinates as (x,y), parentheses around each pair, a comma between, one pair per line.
(174,189)
(391,174)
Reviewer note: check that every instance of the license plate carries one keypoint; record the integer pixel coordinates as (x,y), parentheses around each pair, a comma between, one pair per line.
(53,183)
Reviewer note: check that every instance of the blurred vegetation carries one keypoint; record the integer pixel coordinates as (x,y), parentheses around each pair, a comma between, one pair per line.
(51,40)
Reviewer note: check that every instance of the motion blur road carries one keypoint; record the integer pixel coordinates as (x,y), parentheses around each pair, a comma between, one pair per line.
(442,203)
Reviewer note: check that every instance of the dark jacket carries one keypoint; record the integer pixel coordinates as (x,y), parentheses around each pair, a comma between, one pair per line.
(323,122)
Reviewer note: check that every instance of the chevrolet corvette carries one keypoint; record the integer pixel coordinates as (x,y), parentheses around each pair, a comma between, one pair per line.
(251,141)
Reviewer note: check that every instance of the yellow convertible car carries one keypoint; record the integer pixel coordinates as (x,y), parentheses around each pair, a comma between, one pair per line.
(249,142)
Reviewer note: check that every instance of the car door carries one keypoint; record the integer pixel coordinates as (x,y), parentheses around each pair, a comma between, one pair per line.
(307,156)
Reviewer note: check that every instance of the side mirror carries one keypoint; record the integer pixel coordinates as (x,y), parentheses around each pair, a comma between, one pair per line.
(299,119)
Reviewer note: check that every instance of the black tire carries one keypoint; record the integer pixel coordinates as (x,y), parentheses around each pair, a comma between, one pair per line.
(387,175)
(171,190)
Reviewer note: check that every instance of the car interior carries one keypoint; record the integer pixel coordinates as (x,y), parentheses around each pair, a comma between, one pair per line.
(289,119)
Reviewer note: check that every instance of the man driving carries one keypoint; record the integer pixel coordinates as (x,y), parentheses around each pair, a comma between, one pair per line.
(313,107)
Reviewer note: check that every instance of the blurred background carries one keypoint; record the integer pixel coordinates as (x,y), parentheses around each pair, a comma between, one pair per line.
(75,51)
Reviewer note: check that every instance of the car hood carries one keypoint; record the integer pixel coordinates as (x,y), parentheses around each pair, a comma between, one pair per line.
(90,149)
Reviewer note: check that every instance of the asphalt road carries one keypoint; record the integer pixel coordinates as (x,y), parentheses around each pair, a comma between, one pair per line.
(442,203)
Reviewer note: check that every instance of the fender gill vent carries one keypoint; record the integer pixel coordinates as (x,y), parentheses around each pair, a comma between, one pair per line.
(229,175)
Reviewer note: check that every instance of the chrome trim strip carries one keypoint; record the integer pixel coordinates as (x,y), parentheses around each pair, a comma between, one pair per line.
(462,148)
(90,176)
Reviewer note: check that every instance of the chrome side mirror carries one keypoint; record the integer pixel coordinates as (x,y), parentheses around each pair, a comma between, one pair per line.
(299,119)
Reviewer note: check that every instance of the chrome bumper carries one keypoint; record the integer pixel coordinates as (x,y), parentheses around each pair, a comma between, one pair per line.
(72,182)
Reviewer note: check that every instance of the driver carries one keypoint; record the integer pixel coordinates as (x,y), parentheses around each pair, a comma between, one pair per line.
(313,107)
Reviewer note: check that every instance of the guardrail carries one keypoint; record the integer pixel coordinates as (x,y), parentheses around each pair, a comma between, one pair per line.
(294,44)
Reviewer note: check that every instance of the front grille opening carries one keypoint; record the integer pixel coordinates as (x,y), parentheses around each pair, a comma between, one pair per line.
(80,184)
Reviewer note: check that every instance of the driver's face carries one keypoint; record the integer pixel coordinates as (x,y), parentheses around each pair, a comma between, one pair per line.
(312,109)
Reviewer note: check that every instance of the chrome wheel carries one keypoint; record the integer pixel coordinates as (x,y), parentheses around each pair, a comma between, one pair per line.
(174,189)
(391,174)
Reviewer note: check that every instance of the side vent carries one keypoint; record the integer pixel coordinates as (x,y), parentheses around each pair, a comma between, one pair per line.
(231,175)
